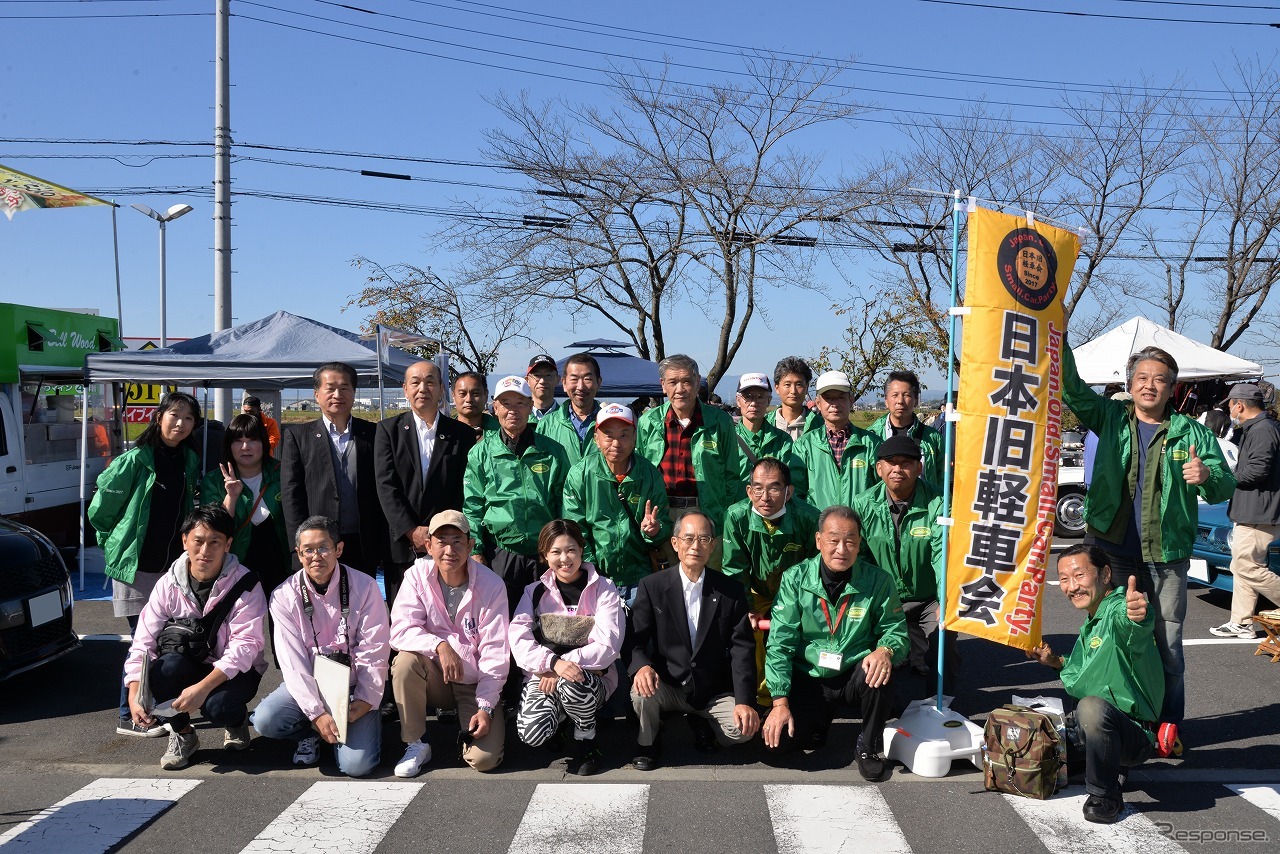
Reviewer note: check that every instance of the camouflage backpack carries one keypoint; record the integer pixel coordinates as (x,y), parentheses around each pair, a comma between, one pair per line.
(1022,753)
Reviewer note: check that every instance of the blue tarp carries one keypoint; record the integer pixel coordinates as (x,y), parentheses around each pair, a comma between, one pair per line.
(622,375)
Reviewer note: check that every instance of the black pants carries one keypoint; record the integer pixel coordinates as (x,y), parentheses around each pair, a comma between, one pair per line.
(226,706)
(360,555)
(1110,740)
(814,703)
(917,676)
(392,577)
(517,572)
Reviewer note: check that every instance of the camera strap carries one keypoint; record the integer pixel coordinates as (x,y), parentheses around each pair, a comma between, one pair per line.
(344,598)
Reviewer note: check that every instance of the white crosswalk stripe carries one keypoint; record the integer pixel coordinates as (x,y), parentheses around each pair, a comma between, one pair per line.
(1264,797)
(1060,824)
(342,817)
(833,820)
(602,817)
(95,818)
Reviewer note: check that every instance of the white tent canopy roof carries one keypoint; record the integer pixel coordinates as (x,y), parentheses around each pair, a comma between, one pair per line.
(1103,359)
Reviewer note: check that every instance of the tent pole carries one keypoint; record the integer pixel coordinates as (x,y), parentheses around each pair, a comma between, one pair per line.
(382,413)
(115,243)
(204,435)
(84,462)
(949,452)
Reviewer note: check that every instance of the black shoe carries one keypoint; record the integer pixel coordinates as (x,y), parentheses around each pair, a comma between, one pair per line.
(704,738)
(585,760)
(1100,810)
(870,765)
(818,738)
(646,758)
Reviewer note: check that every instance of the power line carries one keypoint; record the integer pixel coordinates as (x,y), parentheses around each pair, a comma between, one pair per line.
(1075,14)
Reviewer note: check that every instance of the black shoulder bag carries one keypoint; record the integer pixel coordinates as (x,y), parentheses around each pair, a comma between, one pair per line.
(193,637)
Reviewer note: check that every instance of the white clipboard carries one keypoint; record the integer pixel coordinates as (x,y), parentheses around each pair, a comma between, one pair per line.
(334,681)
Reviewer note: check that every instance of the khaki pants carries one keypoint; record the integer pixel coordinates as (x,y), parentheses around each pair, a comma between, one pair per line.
(669,556)
(418,682)
(669,698)
(1251,574)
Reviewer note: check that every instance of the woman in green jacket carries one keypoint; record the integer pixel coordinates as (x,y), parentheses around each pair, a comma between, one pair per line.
(248,487)
(141,500)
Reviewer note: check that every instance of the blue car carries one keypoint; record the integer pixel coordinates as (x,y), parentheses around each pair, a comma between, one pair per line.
(1211,554)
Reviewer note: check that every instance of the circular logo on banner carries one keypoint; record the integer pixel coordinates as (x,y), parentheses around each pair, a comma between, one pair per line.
(1028,267)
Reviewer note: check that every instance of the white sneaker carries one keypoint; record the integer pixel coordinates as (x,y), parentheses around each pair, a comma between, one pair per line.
(182,746)
(237,737)
(308,751)
(1234,630)
(415,756)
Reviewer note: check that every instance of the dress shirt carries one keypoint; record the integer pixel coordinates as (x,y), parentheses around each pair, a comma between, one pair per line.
(692,602)
(340,440)
(426,439)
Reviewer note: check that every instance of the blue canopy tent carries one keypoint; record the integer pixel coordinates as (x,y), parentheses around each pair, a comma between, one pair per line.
(622,375)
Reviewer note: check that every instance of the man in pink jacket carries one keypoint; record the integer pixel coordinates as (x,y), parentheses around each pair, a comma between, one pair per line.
(326,610)
(449,626)
(219,679)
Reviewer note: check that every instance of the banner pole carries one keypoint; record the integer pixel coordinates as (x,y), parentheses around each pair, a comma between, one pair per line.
(382,412)
(115,245)
(948,440)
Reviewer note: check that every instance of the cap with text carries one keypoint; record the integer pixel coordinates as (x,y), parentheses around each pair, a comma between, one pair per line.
(615,412)
(747,381)
(513,384)
(449,519)
(542,360)
(834,381)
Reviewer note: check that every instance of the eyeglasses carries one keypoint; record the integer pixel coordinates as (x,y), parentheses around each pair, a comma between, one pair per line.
(452,542)
(316,551)
(773,490)
(690,539)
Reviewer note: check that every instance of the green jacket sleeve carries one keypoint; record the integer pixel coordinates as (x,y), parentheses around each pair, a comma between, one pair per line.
(736,561)
(1221,483)
(115,485)
(658,495)
(576,510)
(891,625)
(473,493)
(784,636)
(1089,406)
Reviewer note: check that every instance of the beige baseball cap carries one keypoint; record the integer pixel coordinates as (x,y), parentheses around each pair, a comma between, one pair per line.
(449,519)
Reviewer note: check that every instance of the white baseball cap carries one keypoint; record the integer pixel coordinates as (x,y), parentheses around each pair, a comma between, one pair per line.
(615,412)
(747,381)
(516,384)
(834,381)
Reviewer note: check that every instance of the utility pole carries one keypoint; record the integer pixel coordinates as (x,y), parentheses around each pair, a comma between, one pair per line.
(222,193)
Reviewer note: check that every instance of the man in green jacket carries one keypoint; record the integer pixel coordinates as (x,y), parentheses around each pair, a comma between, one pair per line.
(766,534)
(1113,672)
(901,397)
(901,535)
(838,458)
(757,437)
(512,487)
(836,632)
(693,445)
(572,423)
(1151,463)
(791,378)
(618,498)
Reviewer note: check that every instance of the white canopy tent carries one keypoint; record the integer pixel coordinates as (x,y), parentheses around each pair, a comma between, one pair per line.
(1103,359)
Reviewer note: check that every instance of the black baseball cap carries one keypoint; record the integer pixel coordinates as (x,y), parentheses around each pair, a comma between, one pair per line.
(900,445)
(540,360)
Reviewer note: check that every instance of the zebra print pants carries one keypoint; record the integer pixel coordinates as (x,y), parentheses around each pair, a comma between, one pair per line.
(542,714)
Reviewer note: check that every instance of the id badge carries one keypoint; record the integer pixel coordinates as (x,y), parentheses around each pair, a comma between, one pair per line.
(830,660)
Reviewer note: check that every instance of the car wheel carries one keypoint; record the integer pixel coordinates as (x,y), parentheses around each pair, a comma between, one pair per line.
(1070,521)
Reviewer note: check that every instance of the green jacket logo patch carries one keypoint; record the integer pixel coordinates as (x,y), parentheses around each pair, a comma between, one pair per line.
(710,444)
(1178,455)
(920,531)
(540,468)
(857,613)
(791,547)
(859,464)
(1095,642)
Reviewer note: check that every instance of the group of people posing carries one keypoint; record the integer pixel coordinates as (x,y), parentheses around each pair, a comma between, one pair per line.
(540,559)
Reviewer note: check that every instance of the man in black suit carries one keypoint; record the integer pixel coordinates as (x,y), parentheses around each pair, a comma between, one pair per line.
(327,467)
(420,457)
(690,648)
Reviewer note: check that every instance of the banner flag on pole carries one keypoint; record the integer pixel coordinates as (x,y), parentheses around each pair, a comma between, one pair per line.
(1009,437)
(22,192)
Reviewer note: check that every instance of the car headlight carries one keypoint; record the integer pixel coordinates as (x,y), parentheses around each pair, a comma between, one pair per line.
(11,614)
(1215,539)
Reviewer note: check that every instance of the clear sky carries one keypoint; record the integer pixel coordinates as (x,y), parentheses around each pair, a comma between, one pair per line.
(142,70)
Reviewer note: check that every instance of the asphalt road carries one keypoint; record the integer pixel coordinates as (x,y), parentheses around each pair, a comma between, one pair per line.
(57,742)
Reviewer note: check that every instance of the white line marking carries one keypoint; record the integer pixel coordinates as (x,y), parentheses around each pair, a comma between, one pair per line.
(106,638)
(1060,825)
(563,818)
(833,820)
(96,818)
(1266,798)
(339,817)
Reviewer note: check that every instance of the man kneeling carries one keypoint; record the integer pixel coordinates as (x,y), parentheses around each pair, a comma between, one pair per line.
(1113,672)
(217,672)
(327,610)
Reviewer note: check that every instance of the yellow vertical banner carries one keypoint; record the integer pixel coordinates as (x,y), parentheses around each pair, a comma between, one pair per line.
(1009,437)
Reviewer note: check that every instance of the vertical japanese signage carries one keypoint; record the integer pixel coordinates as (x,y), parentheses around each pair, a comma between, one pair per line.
(1008,441)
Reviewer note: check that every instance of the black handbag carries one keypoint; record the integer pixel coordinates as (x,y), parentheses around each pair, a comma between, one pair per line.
(193,637)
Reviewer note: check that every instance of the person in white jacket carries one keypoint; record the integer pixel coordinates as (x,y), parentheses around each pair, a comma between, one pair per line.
(219,677)
(449,628)
(327,610)
(565,635)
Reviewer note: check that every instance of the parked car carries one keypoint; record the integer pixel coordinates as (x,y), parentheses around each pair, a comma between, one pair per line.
(1211,554)
(35,600)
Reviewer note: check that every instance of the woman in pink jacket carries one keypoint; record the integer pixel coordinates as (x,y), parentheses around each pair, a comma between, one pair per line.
(566,635)
(220,678)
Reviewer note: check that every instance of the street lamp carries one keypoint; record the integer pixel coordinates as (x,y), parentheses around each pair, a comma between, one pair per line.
(163,218)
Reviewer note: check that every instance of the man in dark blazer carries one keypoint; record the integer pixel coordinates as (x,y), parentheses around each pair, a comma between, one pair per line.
(690,648)
(420,458)
(327,469)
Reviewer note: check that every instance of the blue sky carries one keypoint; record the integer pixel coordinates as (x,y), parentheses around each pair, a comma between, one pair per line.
(152,78)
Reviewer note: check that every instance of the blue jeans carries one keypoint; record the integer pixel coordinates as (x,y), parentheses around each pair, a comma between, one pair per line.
(1166,587)
(1109,740)
(278,716)
(124,686)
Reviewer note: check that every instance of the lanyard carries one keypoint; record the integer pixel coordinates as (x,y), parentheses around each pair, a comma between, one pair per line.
(344,596)
(839,614)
